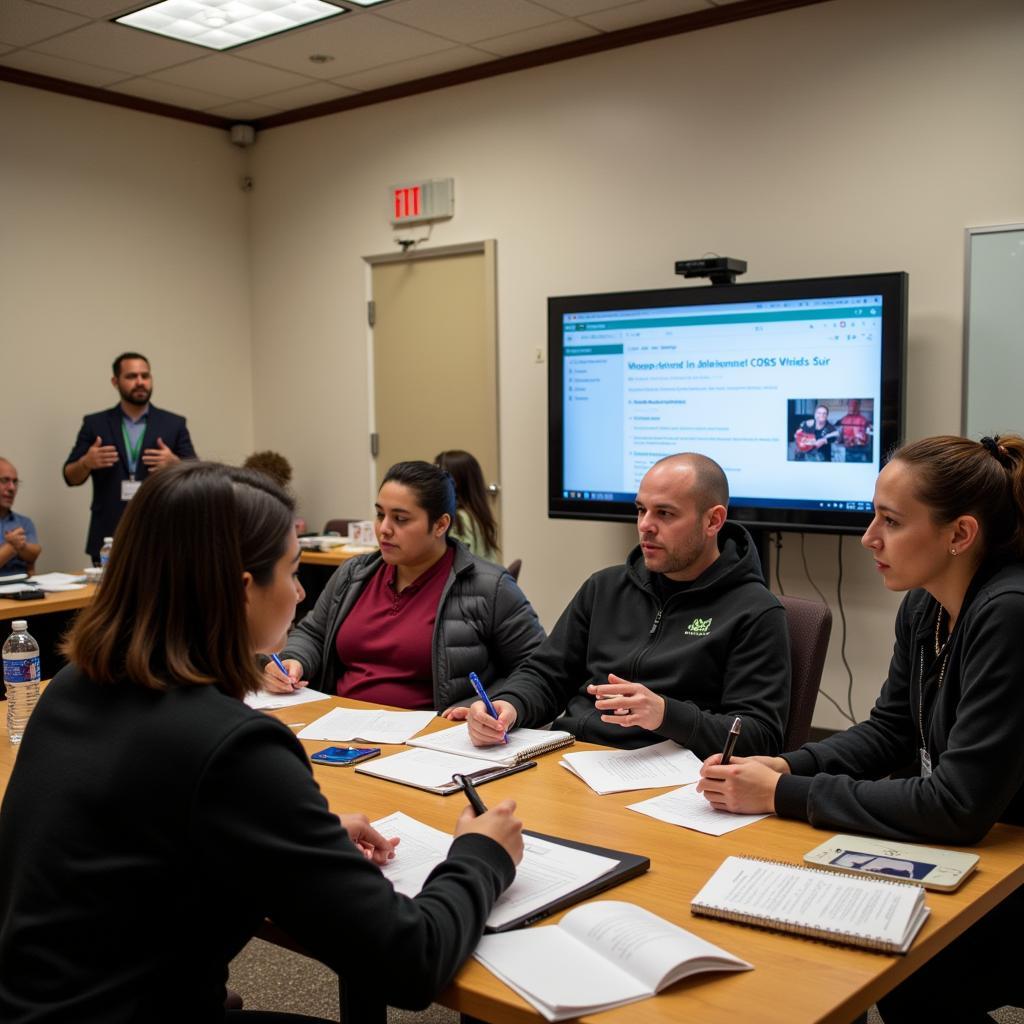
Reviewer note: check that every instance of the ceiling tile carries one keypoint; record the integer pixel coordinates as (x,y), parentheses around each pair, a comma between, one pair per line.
(117,46)
(232,77)
(356,44)
(574,8)
(58,67)
(96,8)
(422,67)
(307,95)
(23,23)
(165,92)
(537,38)
(642,12)
(466,21)
(247,110)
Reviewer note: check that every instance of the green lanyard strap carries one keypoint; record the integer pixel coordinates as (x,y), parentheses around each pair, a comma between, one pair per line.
(133,453)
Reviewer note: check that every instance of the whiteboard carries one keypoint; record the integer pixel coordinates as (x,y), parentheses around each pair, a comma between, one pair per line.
(993,395)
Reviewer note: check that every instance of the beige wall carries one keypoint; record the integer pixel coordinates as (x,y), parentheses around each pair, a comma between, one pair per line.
(118,230)
(853,136)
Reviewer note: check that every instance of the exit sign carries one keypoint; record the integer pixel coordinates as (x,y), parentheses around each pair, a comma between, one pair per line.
(422,201)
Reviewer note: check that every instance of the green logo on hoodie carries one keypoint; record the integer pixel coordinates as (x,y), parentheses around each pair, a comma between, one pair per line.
(699,627)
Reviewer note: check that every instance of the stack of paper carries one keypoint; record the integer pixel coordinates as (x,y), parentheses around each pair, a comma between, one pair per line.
(520,746)
(688,808)
(265,701)
(54,582)
(547,871)
(368,726)
(617,771)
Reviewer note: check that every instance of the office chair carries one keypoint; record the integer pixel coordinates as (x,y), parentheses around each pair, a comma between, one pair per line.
(810,625)
(514,569)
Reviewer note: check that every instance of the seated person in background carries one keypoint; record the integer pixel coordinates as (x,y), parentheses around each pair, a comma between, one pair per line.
(672,645)
(474,521)
(279,469)
(406,625)
(125,893)
(940,759)
(19,544)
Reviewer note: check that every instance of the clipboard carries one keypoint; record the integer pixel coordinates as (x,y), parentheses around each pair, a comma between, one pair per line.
(630,866)
(489,772)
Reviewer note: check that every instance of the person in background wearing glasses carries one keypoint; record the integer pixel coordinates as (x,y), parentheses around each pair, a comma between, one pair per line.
(19,542)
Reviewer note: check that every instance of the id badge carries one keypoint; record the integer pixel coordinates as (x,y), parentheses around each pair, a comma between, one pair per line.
(128,489)
(926,763)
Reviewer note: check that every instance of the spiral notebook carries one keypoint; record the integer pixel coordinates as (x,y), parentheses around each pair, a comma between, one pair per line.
(868,912)
(523,744)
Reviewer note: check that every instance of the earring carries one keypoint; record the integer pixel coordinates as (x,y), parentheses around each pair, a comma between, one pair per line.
(952,551)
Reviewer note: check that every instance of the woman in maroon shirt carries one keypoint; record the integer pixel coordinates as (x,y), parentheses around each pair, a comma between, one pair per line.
(407,625)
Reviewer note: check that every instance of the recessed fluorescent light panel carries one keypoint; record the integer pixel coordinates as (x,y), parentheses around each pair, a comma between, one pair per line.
(223,24)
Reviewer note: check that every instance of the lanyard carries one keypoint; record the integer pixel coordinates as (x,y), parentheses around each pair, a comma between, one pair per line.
(133,453)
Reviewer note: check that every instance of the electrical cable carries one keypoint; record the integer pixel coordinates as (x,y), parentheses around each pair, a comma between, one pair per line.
(842,648)
(778,560)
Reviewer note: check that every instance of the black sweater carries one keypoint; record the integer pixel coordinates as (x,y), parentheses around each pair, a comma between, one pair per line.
(716,649)
(145,836)
(973,725)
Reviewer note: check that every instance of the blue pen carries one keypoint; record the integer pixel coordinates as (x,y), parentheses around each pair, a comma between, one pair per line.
(280,664)
(482,694)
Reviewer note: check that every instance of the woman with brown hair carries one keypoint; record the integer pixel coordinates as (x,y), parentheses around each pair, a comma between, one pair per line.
(474,522)
(153,820)
(940,759)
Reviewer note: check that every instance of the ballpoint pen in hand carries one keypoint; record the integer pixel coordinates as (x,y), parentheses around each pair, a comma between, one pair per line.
(482,694)
(479,807)
(280,664)
(730,740)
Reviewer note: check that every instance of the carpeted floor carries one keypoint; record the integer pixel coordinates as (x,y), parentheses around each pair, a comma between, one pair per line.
(271,978)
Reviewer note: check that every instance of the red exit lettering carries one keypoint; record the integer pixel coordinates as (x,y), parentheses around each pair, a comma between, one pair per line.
(407,202)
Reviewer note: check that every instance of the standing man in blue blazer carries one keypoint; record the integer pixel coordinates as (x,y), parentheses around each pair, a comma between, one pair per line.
(120,447)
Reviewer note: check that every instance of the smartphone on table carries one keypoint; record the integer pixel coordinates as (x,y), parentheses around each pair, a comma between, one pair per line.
(342,756)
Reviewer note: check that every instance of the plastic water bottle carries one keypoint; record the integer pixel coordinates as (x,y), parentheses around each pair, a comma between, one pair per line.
(108,543)
(21,676)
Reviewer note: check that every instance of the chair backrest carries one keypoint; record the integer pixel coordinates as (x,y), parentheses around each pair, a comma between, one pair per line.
(339,526)
(514,568)
(810,625)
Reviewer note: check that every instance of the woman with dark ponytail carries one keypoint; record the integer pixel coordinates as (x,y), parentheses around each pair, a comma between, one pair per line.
(941,757)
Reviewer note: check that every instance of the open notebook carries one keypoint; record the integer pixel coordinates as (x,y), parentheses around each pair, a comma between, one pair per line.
(600,955)
(867,912)
(523,744)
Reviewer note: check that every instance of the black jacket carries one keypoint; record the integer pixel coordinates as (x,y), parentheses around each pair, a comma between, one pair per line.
(716,650)
(107,507)
(484,625)
(144,837)
(973,725)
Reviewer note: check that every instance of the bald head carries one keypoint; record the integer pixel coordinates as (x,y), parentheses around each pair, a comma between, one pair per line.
(701,476)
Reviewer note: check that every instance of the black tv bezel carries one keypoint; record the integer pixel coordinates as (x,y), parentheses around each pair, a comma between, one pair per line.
(889,418)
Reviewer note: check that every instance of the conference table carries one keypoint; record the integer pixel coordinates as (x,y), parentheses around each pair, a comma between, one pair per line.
(794,979)
(63,601)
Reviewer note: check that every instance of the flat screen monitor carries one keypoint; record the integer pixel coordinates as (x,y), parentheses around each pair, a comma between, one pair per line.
(794,387)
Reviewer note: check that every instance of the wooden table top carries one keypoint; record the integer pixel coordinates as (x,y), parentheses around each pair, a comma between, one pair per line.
(333,557)
(64,601)
(794,980)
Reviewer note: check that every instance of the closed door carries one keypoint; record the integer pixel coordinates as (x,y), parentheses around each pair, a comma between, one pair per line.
(435,358)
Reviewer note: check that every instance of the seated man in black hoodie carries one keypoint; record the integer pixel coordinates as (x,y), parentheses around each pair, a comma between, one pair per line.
(672,645)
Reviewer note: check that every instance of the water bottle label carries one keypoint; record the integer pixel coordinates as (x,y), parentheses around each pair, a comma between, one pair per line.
(21,670)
